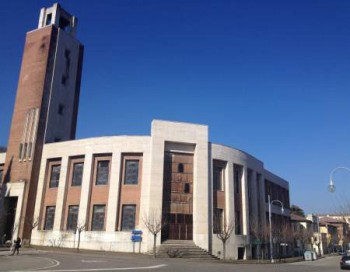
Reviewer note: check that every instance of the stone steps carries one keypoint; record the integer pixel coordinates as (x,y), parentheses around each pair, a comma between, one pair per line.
(182,249)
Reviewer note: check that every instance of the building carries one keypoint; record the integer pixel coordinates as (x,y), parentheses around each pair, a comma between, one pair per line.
(45,111)
(336,229)
(306,234)
(108,186)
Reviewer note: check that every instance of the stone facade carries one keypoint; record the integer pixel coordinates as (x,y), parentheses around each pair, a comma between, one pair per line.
(146,195)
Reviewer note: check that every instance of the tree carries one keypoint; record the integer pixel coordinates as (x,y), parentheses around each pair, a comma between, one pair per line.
(32,223)
(259,234)
(297,210)
(154,222)
(80,229)
(223,230)
(303,235)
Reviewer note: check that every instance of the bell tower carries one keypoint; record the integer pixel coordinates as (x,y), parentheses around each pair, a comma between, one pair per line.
(45,111)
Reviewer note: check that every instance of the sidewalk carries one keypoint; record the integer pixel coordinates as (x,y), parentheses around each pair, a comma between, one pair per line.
(5,251)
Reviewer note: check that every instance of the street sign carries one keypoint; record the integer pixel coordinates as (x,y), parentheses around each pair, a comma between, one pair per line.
(137,232)
(257,242)
(136,238)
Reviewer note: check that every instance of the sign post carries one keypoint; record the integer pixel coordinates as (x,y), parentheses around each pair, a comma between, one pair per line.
(136,237)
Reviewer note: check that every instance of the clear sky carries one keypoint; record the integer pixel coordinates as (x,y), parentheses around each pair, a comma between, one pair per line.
(268,77)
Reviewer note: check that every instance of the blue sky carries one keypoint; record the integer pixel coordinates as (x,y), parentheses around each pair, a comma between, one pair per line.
(271,78)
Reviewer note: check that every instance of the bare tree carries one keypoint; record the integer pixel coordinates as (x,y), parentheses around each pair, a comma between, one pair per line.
(154,222)
(32,223)
(223,230)
(304,236)
(260,233)
(80,229)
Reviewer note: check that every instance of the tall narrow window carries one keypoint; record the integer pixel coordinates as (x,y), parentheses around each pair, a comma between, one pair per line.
(131,172)
(48,19)
(49,217)
(218,177)
(77,176)
(25,150)
(102,172)
(29,152)
(54,176)
(98,217)
(60,109)
(128,217)
(237,178)
(238,228)
(27,142)
(1,171)
(72,219)
(20,153)
(218,220)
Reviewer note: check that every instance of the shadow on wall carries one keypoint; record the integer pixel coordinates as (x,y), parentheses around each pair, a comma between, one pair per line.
(7,176)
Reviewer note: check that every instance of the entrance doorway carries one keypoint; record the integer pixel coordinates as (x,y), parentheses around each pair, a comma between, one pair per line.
(10,206)
(177,196)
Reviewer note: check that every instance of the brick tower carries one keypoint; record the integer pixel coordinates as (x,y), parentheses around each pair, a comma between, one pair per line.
(45,111)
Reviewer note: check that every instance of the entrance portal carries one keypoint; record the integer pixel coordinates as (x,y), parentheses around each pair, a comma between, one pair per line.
(10,206)
(177,196)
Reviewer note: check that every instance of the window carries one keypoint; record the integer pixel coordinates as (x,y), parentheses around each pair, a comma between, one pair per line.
(187,188)
(218,220)
(238,223)
(180,168)
(72,219)
(77,174)
(102,172)
(25,150)
(60,109)
(98,217)
(1,171)
(67,53)
(237,178)
(218,177)
(131,172)
(20,153)
(29,153)
(64,80)
(128,217)
(54,176)
(49,217)
(48,19)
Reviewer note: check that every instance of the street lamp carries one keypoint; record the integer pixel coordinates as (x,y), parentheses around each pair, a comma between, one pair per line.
(270,224)
(331,186)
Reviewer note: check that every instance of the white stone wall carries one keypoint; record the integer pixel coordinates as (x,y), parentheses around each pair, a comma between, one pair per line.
(184,135)
(165,136)
(104,240)
(249,163)
(233,156)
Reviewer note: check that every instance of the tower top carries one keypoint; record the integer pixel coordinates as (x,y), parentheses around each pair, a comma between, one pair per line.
(57,16)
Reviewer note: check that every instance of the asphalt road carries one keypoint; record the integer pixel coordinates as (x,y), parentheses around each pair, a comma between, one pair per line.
(65,261)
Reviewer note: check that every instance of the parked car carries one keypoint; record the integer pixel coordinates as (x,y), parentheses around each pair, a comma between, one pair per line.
(342,252)
(345,262)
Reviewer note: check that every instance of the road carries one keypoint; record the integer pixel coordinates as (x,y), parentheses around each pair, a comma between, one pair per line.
(65,261)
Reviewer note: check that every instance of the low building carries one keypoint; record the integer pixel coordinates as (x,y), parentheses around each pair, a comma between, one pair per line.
(337,232)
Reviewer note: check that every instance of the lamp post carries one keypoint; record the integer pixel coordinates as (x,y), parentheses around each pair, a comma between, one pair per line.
(270,224)
(331,186)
